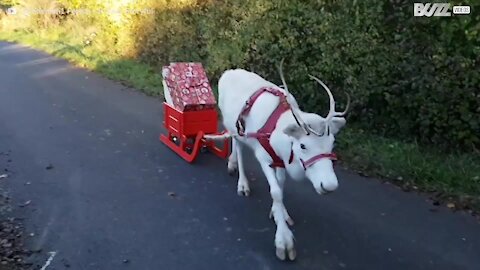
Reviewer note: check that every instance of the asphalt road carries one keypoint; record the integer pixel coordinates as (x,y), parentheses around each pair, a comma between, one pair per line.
(104,203)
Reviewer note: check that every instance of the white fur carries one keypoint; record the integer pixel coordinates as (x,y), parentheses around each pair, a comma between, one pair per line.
(235,88)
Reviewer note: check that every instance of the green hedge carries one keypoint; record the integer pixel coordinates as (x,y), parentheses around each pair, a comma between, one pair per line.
(412,78)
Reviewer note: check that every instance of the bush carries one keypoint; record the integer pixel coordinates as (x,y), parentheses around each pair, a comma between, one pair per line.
(413,78)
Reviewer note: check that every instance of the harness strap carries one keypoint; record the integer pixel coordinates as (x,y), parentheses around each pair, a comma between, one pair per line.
(316,158)
(246,109)
(264,133)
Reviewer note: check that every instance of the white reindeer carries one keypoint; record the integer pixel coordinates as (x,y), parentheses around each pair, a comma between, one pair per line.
(294,141)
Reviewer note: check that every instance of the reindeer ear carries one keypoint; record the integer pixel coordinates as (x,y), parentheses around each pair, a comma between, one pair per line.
(336,124)
(294,131)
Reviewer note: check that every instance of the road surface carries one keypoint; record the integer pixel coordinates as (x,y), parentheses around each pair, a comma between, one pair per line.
(85,153)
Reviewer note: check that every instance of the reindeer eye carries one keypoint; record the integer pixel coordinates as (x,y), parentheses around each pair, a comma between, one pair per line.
(303,146)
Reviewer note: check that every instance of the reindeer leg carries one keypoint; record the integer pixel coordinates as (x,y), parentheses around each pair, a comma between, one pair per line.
(243,188)
(283,236)
(281,177)
(233,159)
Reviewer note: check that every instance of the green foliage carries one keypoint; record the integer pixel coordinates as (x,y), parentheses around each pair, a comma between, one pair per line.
(39,14)
(8,3)
(411,78)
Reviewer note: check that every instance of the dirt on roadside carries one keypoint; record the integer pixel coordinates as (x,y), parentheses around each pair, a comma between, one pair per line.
(13,253)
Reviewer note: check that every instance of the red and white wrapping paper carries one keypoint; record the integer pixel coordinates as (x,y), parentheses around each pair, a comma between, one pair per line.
(186,87)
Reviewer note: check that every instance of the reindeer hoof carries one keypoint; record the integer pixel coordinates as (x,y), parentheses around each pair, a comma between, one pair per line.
(292,254)
(280,254)
(243,188)
(245,193)
(232,171)
(284,243)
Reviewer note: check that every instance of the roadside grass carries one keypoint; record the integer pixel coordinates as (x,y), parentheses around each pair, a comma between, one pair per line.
(130,72)
(453,179)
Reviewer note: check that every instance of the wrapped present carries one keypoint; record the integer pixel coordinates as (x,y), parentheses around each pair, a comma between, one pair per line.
(186,87)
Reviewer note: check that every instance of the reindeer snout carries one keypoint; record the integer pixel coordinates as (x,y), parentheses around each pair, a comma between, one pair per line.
(326,187)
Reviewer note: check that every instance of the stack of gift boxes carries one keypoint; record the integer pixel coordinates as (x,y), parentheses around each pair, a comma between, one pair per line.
(186,87)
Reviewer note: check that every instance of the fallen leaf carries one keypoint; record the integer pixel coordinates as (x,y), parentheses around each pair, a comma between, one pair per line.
(66,264)
(364,174)
(25,203)
(406,188)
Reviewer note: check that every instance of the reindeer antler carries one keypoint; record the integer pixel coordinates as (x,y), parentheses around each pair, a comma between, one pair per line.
(295,113)
(332,113)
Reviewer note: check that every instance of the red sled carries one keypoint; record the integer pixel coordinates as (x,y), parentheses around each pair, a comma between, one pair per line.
(186,128)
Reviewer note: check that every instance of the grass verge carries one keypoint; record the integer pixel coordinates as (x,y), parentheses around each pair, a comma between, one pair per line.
(453,179)
(130,72)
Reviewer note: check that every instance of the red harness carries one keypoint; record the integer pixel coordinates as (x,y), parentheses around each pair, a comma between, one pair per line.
(316,158)
(264,133)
